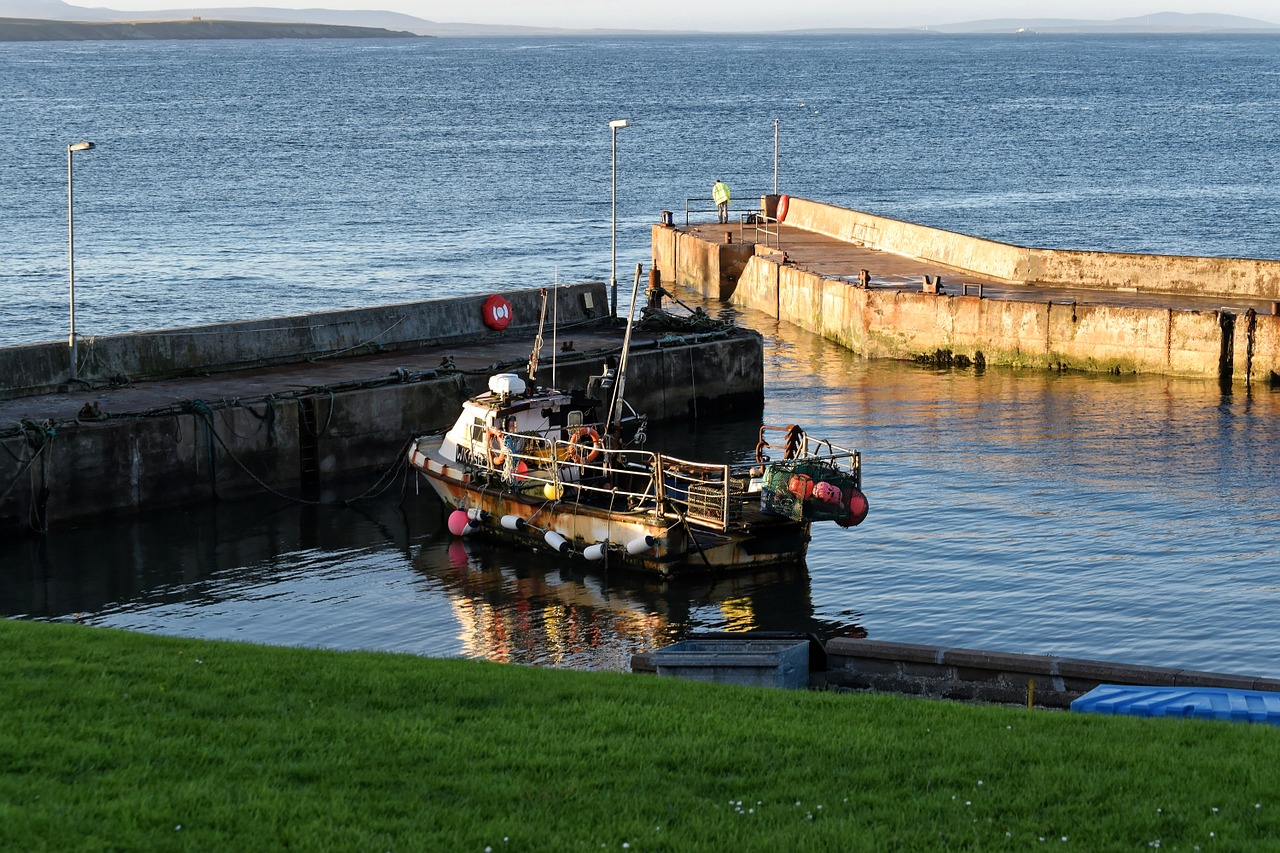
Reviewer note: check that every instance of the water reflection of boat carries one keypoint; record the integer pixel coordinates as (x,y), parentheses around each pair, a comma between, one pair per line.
(534,608)
(540,466)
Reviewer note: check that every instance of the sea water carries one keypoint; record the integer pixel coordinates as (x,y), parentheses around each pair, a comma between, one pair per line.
(1129,518)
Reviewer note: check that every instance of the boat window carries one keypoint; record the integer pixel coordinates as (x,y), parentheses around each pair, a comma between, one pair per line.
(477,431)
(575,419)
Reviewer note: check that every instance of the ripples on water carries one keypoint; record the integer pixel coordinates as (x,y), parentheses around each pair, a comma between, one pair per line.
(1125,518)
(255,179)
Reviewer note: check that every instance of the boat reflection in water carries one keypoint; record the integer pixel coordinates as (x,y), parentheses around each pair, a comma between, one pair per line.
(527,607)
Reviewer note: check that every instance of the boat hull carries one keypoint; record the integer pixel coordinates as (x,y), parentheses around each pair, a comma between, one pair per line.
(679,546)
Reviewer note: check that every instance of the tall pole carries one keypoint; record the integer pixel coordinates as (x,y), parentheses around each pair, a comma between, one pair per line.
(613,275)
(71,255)
(775,156)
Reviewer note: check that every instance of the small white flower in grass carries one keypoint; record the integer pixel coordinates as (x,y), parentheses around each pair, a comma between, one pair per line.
(178,828)
(626,845)
(1215,809)
(1064,839)
(979,781)
(819,805)
(1212,834)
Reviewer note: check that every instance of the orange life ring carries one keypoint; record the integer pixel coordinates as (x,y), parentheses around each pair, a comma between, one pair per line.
(493,448)
(784,202)
(578,451)
(496,312)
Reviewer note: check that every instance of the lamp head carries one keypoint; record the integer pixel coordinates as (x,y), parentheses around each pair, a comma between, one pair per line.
(80,146)
(618,123)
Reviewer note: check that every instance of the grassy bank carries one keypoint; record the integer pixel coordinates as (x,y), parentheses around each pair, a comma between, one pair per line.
(111,740)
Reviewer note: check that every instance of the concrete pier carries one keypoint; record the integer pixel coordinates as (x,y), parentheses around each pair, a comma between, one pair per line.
(890,289)
(295,403)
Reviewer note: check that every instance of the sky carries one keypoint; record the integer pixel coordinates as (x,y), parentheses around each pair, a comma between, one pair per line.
(739,15)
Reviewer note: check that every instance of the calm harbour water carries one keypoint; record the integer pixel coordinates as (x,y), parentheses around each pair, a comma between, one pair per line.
(1130,518)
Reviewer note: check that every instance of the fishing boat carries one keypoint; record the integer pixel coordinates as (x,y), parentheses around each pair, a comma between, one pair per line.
(540,466)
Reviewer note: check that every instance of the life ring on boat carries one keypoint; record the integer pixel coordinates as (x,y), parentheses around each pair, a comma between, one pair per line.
(784,202)
(579,450)
(496,312)
(493,448)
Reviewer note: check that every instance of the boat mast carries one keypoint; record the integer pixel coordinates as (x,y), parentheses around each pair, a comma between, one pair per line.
(555,323)
(537,342)
(621,381)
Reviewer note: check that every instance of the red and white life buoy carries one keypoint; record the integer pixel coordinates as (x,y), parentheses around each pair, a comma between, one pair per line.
(784,202)
(584,445)
(496,312)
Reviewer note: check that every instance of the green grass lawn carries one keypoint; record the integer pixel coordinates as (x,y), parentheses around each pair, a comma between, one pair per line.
(118,741)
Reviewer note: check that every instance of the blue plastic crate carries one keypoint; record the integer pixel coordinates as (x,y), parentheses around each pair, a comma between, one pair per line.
(1205,703)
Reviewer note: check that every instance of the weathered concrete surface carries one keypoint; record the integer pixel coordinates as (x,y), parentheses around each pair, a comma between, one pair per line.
(305,425)
(695,262)
(1161,274)
(990,676)
(813,282)
(140,356)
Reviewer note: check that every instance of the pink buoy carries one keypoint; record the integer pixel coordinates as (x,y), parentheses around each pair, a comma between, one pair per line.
(827,493)
(458,522)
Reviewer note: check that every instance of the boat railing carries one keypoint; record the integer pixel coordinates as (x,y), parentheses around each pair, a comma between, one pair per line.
(618,479)
(793,443)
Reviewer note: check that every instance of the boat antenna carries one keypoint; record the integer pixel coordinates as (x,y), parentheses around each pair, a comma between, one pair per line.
(622,361)
(537,342)
(555,314)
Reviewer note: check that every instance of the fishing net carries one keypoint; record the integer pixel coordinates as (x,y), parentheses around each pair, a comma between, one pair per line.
(804,490)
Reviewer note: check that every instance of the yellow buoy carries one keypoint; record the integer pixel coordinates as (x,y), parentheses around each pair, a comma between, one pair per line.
(553,491)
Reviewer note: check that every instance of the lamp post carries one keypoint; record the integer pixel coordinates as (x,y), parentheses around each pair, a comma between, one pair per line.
(613,275)
(71,254)
(775,156)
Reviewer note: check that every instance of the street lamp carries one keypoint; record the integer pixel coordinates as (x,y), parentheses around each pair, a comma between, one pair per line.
(613,276)
(71,254)
(775,156)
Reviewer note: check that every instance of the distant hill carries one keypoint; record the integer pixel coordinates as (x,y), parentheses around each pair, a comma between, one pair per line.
(28,29)
(1164,22)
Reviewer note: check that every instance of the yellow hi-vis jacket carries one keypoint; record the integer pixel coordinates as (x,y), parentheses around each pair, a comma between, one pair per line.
(720,192)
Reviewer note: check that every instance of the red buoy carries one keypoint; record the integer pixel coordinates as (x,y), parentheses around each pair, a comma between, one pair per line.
(783,203)
(858,508)
(496,312)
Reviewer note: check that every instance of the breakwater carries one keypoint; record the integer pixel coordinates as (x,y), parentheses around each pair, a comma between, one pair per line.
(188,415)
(982,302)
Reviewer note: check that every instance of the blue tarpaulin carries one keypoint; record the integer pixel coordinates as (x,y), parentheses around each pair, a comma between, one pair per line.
(1206,703)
